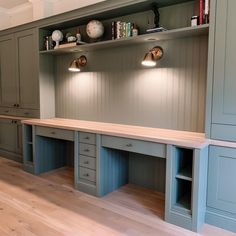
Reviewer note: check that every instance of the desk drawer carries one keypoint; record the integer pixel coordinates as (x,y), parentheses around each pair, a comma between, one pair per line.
(55,133)
(132,145)
(87,174)
(87,138)
(87,149)
(88,162)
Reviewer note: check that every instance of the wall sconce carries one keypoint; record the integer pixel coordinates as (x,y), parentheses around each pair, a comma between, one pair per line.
(152,56)
(77,63)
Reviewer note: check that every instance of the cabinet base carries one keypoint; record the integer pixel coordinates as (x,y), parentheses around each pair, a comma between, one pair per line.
(221,219)
(11,156)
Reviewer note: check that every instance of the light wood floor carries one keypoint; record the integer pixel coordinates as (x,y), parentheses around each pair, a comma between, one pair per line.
(48,205)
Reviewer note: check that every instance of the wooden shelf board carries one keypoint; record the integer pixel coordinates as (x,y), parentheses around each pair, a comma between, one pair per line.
(185,174)
(152,37)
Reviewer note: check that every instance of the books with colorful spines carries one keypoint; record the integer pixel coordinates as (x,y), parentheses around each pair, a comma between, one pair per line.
(113,30)
(201,9)
(118,30)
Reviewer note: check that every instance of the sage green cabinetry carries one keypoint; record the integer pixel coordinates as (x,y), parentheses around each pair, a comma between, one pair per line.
(27,69)
(19,72)
(8,86)
(221,196)
(224,82)
(11,139)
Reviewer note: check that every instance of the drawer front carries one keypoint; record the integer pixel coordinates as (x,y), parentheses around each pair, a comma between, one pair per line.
(87,174)
(87,149)
(19,112)
(87,138)
(138,146)
(55,133)
(88,162)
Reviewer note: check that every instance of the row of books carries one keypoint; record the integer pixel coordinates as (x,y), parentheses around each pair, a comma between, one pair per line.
(122,29)
(204,7)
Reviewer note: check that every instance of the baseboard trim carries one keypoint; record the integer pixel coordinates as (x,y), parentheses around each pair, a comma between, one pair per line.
(220,219)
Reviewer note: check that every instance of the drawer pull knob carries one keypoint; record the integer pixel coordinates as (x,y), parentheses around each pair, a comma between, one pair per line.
(86,138)
(86,162)
(86,150)
(6,111)
(53,132)
(129,145)
(86,175)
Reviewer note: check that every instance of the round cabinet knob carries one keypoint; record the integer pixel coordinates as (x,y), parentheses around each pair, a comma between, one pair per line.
(86,150)
(86,175)
(129,145)
(86,162)
(87,138)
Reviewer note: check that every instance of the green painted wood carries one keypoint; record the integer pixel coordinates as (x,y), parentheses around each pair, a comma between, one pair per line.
(55,133)
(50,154)
(113,171)
(221,188)
(8,76)
(132,145)
(210,69)
(8,135)
(186,198)
(224,111)
(147,171)
(221,193)
(27,68)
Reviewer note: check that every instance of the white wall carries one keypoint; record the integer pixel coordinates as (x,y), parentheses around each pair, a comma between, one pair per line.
(38,9)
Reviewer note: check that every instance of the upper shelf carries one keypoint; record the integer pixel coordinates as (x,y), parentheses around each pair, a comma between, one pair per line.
(165,35)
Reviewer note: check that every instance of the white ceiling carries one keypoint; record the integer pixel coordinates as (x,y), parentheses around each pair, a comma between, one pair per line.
(8,4)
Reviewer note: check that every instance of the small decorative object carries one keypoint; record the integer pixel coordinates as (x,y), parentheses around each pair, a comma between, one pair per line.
(134,31)
(194,20)
(78,36)
(48,43)
(57,36)
(95,29)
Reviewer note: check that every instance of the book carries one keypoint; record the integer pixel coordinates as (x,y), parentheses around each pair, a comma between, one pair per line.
(201,12)
(158,29)
(67,45)
(72,44)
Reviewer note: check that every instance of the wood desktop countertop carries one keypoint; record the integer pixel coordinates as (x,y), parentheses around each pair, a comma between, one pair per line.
(166,136)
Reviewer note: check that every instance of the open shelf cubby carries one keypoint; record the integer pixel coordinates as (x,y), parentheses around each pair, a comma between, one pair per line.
(184,164)
(29,144)
(183,200)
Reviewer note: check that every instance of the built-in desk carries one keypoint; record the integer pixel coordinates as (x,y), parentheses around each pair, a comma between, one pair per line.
(106,156)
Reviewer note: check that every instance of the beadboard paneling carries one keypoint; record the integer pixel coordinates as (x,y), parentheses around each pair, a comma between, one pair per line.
(114,87)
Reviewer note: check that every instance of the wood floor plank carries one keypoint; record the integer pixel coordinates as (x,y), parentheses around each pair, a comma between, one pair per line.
(47,205)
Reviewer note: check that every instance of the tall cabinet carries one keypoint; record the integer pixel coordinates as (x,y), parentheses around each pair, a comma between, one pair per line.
(19,88)
(221,197)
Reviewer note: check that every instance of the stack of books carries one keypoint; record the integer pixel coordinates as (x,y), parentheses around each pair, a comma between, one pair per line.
(204,10)
(121,29)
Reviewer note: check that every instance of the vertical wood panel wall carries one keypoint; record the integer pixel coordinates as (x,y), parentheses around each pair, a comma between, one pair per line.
(114,87)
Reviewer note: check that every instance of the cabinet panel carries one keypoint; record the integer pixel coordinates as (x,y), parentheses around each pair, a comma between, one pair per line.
(28,69)
(8,135)
(221,176)
(224,96)
(9,86)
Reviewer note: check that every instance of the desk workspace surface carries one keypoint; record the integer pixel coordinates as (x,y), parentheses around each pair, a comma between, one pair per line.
(106,156)
(166,136)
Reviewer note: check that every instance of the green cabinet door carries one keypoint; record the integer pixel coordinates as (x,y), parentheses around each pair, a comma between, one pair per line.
(8,78)
(224,85)
(27,68)
(221,193)
(8,135)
